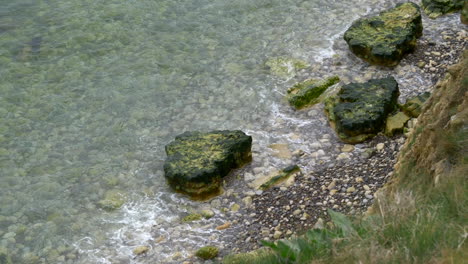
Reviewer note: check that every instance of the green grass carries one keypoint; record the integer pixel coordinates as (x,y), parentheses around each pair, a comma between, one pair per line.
(419,222)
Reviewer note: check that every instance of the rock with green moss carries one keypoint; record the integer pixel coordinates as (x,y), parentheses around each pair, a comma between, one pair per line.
(285,67)
(396,123)
(307,93)
(464,13)
(196,162)
(386,38)
(413,105)
(359,110)
(436,8)
(282,176)
(208,252)
(191,218)
(140,250)
(113,199)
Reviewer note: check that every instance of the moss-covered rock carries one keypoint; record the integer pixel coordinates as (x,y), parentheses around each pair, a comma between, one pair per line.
(191,218)
(140,250)
(307,93)
(396,123)
(413,105)
(464,13)
(282,176)
(285,67)
(196,162)
(208,252)
(436,8)
(359,110)
(386,38)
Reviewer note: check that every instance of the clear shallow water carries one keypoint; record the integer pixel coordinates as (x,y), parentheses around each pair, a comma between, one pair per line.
(91,91)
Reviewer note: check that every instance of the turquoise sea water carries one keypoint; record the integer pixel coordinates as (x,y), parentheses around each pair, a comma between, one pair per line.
(92,90)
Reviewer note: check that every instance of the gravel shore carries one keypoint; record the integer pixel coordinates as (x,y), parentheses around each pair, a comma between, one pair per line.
(348,179)
(334,175)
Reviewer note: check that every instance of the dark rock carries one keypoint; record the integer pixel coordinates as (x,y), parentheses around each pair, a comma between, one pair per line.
(197,161)
(413,105)
(359,110)
(307,92)
(436,8)
(386,38)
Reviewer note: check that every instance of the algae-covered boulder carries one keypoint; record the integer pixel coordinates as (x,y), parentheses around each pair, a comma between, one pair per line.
(413,105)
(436,8)
(307,93)
(197,161)
(208,252)
(359,110)
(386,38)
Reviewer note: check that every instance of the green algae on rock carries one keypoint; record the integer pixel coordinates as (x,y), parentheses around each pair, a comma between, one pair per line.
(413,105)
(285,67)
(386,38)
(140,250)
(208,252)
(307,93)
(436,8)
(282,176)
(359,110)
(191,218)
(196,162)
(396,123)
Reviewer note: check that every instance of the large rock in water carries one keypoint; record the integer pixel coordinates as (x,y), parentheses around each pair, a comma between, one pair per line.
(197,161)
(386,38)
(359,110)
(436,8)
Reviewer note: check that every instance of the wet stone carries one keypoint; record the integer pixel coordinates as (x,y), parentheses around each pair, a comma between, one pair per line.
(196,162)
(386,38)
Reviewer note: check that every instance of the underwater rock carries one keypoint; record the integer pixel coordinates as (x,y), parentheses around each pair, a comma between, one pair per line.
(285,67)
(359,110)
(196,162)
(113,199)
(413,105)
(436,8)
(386,38)
(191,218)
(4,257)
(141,250)
(307,93)
(208,252)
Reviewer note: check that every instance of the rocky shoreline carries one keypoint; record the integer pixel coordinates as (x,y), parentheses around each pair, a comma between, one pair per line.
(343,179)
(348,185)
(283,211)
